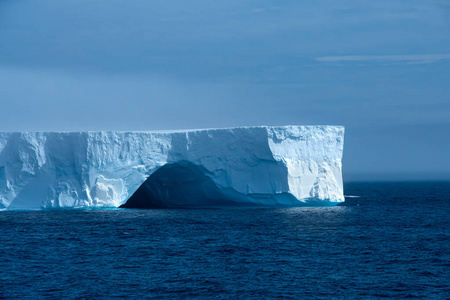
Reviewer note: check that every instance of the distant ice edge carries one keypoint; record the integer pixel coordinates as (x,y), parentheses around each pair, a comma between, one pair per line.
(290,165)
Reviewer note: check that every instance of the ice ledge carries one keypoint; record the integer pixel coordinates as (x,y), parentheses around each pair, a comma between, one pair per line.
(292,164)
(281,127)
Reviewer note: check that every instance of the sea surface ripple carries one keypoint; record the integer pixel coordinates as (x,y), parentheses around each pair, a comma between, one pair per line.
(391,242)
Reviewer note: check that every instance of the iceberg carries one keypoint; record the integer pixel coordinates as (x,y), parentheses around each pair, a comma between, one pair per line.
(242,166)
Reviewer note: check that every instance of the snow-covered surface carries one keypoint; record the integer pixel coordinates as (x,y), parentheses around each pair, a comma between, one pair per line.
(103,169)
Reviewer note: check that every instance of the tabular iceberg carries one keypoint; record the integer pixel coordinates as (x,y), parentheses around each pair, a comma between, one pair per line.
(285,165)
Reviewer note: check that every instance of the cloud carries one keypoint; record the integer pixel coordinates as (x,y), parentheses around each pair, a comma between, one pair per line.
(261,10)
(412,58)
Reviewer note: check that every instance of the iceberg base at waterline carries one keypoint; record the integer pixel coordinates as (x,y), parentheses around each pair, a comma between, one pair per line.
(186,185)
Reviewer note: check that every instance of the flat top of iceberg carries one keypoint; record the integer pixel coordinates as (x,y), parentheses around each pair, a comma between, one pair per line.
(192,130)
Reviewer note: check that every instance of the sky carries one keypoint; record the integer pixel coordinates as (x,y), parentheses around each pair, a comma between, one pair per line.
(380,68)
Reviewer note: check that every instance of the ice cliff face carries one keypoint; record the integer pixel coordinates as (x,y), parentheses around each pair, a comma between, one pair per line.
(288,165)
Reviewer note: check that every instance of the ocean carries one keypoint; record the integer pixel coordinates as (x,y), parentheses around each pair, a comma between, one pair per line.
(388,240)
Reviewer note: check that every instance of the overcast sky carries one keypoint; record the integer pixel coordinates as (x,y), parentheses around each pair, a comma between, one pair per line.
(381,68)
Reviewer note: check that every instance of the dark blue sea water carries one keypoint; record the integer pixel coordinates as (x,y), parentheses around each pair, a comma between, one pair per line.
(391,242)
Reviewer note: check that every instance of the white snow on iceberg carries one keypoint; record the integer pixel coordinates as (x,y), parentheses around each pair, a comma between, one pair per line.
(285,165)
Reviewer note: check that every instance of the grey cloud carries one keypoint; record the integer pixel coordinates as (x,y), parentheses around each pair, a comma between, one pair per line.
(423,58)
